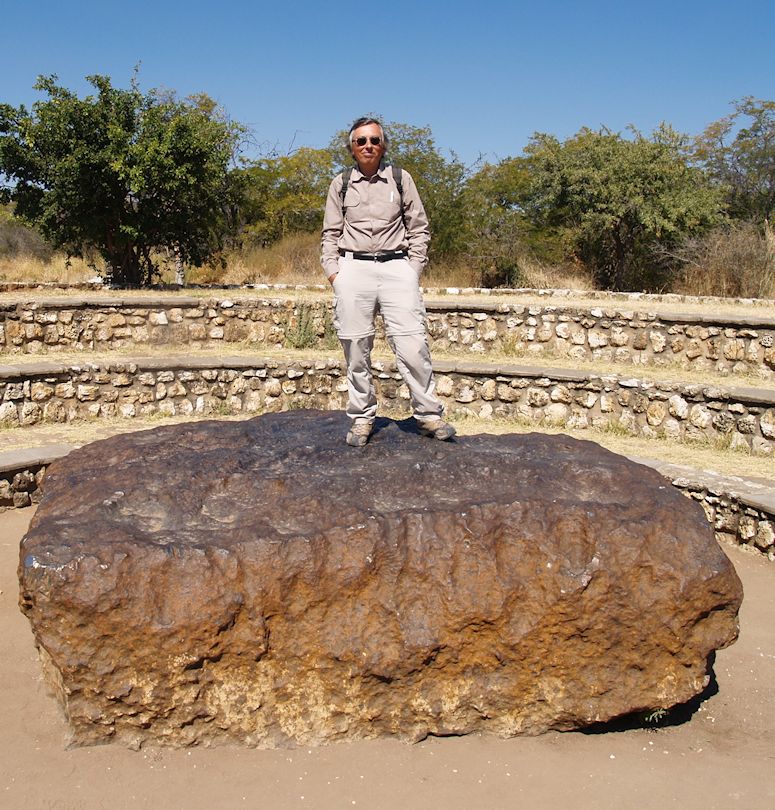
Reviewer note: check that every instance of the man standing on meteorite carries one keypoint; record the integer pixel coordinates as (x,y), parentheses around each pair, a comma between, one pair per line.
(373,249)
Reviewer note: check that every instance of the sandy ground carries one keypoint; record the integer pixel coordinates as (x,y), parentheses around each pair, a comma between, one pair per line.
(722,757)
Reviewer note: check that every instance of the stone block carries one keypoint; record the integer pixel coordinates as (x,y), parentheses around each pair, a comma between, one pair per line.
(556,413)
(700,417)
(88,393)
(40,391)
(767,423)
(678,406)
(658,341)
(31,413)
(656,413)
(9,414)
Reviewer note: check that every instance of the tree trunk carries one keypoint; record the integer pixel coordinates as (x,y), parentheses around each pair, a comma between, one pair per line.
(125,267)
(180,277)
(620,261)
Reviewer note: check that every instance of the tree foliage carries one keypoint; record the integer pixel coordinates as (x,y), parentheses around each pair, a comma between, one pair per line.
(739,153)
(131,176)
(499,235)
(283,195)
(616,198)
(120,172)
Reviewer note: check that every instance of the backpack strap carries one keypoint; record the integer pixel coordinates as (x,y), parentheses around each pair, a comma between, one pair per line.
(345,182)
(398,176)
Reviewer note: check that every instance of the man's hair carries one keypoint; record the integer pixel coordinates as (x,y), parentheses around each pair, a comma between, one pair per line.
(361,122)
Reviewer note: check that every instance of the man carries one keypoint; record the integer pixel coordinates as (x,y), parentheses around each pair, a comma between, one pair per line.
(373,250)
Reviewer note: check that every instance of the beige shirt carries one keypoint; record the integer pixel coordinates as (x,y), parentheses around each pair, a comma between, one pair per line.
(372,222)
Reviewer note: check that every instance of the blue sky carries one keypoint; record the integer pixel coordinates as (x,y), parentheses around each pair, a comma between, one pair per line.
(484,76)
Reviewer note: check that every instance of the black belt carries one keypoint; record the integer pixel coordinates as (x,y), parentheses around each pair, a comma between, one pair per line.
(385,256)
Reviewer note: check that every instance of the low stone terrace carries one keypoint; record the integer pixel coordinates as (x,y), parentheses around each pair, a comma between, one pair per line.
(718,343)
(113,379)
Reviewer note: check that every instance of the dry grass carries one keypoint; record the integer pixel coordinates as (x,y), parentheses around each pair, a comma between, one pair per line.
(533,274)
(293,260)
(56,271)
(736,260)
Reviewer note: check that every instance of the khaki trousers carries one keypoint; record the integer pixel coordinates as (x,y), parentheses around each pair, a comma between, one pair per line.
(361,289)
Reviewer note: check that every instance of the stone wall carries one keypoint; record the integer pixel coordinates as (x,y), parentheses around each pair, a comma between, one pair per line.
(733,520)
(640,338)
(740,418)
(704,343)
(21,487)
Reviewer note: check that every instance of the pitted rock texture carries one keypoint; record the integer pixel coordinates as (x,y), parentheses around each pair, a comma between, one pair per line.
(262,582)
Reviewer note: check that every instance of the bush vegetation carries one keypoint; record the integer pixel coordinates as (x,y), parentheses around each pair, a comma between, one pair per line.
(140,185)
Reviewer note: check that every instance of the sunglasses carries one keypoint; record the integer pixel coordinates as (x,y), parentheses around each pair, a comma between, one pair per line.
(374,139)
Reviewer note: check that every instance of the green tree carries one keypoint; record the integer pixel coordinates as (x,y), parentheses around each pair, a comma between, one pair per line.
(122,173)
(616,199)
(499,235)
(739,153)
(439,180)
(284,194)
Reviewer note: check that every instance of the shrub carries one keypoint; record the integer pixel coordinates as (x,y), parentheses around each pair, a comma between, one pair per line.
(17,239)
(737,260)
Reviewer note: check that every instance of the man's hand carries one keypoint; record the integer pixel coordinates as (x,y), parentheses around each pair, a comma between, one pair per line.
(331,278)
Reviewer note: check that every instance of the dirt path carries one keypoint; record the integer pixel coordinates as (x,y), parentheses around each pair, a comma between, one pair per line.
(723,757)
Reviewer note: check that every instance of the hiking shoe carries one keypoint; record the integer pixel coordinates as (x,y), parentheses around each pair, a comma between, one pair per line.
(359,433)
(436,429)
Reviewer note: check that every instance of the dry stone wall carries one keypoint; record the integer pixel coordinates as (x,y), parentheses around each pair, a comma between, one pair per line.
(733,519)
(46,392)
(620,336)
(705,343)
(21,487)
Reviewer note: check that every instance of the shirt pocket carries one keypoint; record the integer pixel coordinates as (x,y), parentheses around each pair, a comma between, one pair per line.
(352,199)
(386,206)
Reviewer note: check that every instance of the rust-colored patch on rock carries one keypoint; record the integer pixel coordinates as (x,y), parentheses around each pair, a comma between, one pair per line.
(262,582)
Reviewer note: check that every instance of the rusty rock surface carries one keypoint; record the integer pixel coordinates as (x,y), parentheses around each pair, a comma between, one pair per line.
(261,582)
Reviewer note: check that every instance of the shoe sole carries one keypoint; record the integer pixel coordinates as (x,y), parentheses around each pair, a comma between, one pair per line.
(442,434)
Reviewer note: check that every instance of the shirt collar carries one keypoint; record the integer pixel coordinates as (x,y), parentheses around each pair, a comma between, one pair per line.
(382,173)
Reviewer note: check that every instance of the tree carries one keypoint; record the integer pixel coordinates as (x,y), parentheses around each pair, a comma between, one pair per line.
(284,194)
(499,236)
(439,180)
(742,158)
(122,173)
(617,198)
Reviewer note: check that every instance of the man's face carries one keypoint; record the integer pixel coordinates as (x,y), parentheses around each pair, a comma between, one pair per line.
(368,154)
